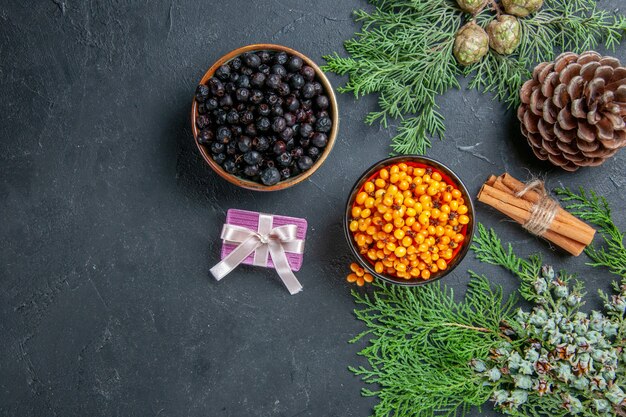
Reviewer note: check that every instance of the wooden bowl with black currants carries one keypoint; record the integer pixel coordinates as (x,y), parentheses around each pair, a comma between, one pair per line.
(264,117)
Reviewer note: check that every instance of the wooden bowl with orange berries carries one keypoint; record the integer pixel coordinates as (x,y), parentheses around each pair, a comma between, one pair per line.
(409,220)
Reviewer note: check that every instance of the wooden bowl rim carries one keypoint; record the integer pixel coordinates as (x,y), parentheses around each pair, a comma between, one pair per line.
(427,161)
(251,185)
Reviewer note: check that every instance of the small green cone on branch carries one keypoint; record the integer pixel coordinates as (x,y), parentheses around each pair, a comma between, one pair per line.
(522,8)
(505,34)
(471,44)
(471,6)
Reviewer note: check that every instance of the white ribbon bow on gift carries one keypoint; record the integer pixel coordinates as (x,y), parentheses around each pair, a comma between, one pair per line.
(263,242)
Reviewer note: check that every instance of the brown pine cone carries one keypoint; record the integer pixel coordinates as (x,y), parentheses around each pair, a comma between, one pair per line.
(573,110)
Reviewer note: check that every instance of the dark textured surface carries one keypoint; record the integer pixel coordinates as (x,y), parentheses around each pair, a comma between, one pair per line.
(111,218)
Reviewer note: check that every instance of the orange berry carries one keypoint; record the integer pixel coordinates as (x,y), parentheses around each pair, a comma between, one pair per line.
(360,198)
(360,282)
(384,174)
(368,278)
(369,187)
(425,274)
(398,233)
(463,219)
(441,264)
(400,251)
(351,278)
(379,267)
(462,209)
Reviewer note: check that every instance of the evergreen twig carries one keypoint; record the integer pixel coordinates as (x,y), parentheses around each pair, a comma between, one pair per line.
(403,53)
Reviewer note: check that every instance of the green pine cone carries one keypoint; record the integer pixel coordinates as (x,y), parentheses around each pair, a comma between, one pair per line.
(522,8)
(471,6)
(471,44)
(505,34)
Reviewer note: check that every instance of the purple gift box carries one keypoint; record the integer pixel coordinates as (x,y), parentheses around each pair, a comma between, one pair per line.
(250,220)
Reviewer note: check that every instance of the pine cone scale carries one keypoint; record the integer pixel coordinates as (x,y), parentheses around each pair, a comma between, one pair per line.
(573,110)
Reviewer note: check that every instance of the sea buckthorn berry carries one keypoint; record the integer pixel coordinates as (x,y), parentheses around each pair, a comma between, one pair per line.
(351,277)
(360,281)
(392,190)
(391,246)
(368,278)
(425,274)
(442,264)
(456,193)
(354,226)
(384,174)
(462,209)
(356,211)
(403,185)
(436,176)
(454,205)
(379,267)
(369,202)
(354,267)
(365,213)
(400,251)
(380,183)
(398,222)
(398,233)
(360,198)
(394,170)
(432,190)
(409,221)
(394,178)
(463,219)
(402,166)
(388,228)
(407,241)
(370,230)
(369,187)
(421,189)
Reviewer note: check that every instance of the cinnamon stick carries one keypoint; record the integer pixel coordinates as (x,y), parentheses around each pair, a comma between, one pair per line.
(577,231)
(534,197)
(565,230)
(521,216)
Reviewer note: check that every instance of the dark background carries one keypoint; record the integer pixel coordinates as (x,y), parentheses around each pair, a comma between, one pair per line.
(110,218)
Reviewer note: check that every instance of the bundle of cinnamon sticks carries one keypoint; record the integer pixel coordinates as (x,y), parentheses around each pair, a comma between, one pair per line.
(513,198)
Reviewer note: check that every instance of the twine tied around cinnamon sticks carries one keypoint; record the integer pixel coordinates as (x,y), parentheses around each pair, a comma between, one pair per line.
(531,206)
(543,213)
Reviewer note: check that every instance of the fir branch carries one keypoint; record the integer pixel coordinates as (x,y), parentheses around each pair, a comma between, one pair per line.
(420,344)
(489,249)
(403,53)
(596,210)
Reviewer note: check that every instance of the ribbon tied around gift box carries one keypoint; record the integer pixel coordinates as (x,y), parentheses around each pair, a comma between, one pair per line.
(264,242)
